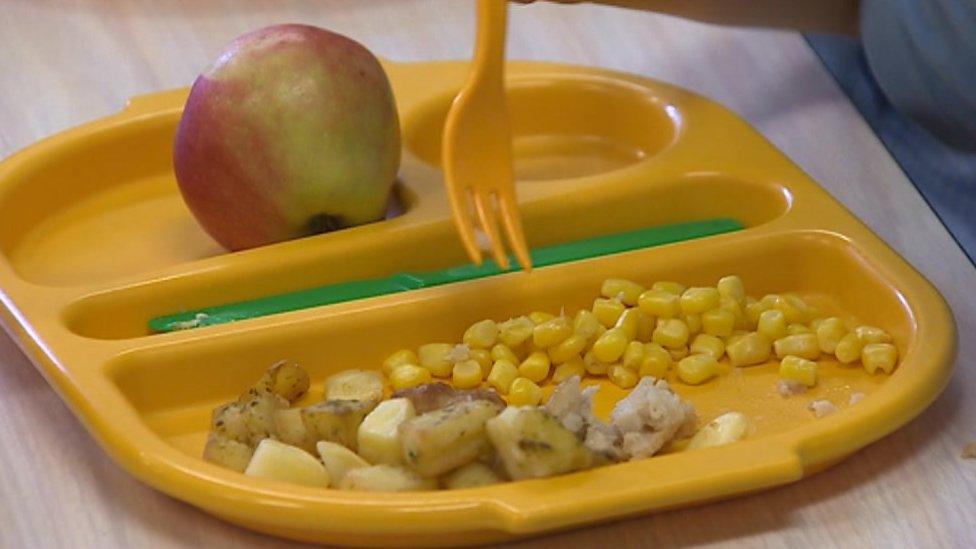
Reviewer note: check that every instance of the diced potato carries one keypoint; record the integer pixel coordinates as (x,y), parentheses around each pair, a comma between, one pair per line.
(285,379)
(379,432)
(227,453)
(290,429)
(354,385)
(279,461)
(433,396)
(385,478)
(439,441)
(336,420)
(338,459)
(471,475)
(724,429)
(250,419)
(531,443)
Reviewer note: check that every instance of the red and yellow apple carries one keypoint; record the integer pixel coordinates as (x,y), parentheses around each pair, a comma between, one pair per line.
(292,131)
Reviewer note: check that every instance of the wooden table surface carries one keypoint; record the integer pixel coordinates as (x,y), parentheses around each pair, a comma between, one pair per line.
(64,62)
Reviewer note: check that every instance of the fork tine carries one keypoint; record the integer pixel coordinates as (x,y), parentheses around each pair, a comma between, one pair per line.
(486,212)
(460,210)
(512,221)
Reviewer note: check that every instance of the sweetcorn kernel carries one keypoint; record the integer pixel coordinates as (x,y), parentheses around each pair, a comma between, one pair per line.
(611,345)
(656,361)
(801,370)
(634,355)
(434,357)
(406,376)
(738,312)
(514,331)
(694,323)
(668,286)
(645,328)
(696,369)
(849,348)
(679,353)
(705,344)
(753,310)
(794,309)
(718,322)
(608,311)
(795,329)
(879,356)
(399,358)
(732,287)
(551,332)
(483,358)
(671,333)
(481,334)
(568,369)
(747,350)
(695,301)
(801,345)
(621,376)
(524,392)
(660,304)
(829,333)
(593,365)
(872,334)
(466,374)
(626,290)
(538,317)
(586,324)
(503,373)
(535,367)
(567,349)
(772,324)
(629,322)
(502,351)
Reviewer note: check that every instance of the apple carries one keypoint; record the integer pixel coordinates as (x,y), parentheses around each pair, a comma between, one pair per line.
(292,131)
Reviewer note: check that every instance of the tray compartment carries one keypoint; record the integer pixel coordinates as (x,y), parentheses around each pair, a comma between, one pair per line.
(122,313)
(563,126)
(174,387)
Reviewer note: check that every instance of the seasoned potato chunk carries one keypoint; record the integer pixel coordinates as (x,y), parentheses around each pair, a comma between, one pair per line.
(355,385)
(532,444)
(471,475)
(338,459)
(336,420)
(379,434)
(285,379)
(279,461)
(439,441)
(385,478)
(250,419)
(290,429)
(227,453)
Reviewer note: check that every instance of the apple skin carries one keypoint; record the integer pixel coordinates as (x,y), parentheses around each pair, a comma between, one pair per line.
(292,131)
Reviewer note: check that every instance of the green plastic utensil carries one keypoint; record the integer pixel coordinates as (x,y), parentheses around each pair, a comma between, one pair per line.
(402,282)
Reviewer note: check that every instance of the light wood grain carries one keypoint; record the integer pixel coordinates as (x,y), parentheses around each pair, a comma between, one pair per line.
(62,63)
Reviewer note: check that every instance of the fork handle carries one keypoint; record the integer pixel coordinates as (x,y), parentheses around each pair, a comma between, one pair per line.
(490,43)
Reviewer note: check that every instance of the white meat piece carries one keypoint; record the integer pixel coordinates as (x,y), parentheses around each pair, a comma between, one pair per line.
(822,408)
(650,416)
(573,407)
(789,387)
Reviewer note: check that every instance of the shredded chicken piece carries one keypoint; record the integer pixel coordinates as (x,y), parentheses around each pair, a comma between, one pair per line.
(789,387)
(573,408)
(458,353)
(855,398)
(822,408)
(650,416)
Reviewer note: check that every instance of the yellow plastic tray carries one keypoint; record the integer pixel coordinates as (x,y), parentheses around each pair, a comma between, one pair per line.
(95,240)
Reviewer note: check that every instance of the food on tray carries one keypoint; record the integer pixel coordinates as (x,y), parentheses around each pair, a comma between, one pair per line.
(292,131)
(437,435)
(465,434)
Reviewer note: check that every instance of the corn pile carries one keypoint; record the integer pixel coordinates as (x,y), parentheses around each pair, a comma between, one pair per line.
(632,331)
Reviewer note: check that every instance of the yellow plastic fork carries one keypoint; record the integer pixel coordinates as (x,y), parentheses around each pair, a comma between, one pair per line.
(477,147)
